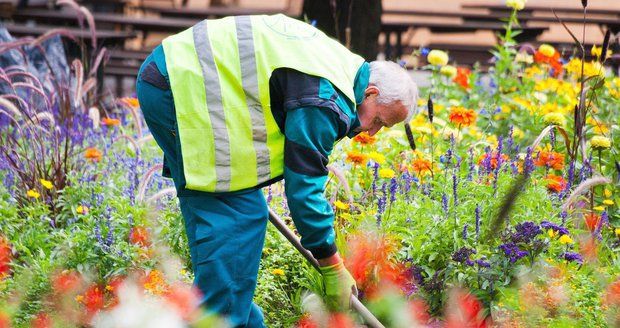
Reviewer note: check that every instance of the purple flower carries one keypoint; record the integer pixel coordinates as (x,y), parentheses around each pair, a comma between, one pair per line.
(525,232)
(572,257)
(464,234)
(477,211)
(444,203)
(513,252)
(393,187)
(528,165)
(483,264)
(462,255)
(455,184)
(375,176)
(472,164)
(552,137)
(559,229)
(383,199)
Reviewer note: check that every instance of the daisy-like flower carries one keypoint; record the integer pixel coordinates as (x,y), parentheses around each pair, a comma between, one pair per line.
(46,184)
(555,183)
(357,158)
(550,159)
(516,4)
(422,166)
(277,272)
(92,154)
(341,205)
(386,173)
(600,142)
(462,116)
(364,138)
(565,239)
(33,194)
(449,71)
(437,58)
(555,118)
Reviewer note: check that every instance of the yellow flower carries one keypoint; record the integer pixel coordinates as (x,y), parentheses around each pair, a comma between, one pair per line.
(552,233)
(377,157)
(618,232)
(555,118)
(596,51)
(449,71)
(608,202)
(437,57)
(599,208)
(79,298)
(547,50)
(46,183)
(600,142)
(277,272)
(566,239)
(82,209)
(341,205)
(33,193)
(607,193)
(386,173)
(516,4)
(109,288)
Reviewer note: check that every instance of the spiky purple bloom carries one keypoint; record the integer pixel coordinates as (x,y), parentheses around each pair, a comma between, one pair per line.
(375,176)
(444,203)
(393,188)
(563,216)
(512,251)
(382,200)
(552,137)
(572,257)
(472,165)
(604,220)
(477,211)
(455,184)
(462,256)
(485,165)
(269,194)
(109,240)
(464,233)
(559,229)
(528,165)
(100,240)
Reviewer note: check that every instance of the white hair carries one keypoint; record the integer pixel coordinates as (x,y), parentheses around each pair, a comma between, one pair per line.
(394,84)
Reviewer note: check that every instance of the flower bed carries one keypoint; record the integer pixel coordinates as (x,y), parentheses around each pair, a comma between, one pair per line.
(504,213)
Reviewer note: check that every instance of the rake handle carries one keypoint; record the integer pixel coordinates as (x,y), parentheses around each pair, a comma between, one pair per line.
(355,303)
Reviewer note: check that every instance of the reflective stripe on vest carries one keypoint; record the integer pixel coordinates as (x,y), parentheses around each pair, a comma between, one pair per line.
(219,74)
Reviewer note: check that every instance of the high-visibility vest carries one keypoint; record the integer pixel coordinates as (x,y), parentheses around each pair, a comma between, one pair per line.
(219,74)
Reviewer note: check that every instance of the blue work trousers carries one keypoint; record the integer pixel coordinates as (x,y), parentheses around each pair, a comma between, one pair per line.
(226,232)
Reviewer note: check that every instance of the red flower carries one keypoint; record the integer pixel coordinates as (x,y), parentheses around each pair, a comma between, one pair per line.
(66,282)
(139,236)
(550,159)
(340,320)
(553,61)
(93,299)
(462,77)
(419,311)
(5,321)
(184,299)
(612,296)
(5,257)
(307,322)
(464,310)
(110,121)
(591,220)
(42,320)
(555,183)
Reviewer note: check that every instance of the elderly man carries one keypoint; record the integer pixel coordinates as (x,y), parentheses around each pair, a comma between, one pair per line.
(241,102)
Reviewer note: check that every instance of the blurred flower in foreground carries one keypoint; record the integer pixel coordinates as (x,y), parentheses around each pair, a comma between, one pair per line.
(464,310)
(437,58)
(110,121)
(5,257)
(448,71)
(130,101)
(462,77)
(516,4)
(139,236)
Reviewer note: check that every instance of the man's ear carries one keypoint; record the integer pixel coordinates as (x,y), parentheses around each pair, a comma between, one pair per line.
(371,90)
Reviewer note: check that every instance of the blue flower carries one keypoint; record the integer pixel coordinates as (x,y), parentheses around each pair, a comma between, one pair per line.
(513,252)
(572,257)
(462,255)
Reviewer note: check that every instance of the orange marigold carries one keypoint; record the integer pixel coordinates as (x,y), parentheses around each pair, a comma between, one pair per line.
(110,121)
(462,116)
(462,77)
(555,183)
(92,154)
(553,61)
(550,159)
(357,158)
(422,166)
(155,283)
(139,236)
(364,138)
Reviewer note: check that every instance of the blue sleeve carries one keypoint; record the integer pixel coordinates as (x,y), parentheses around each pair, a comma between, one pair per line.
(310,136)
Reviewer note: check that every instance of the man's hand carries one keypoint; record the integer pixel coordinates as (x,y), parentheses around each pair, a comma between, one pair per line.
(339,285)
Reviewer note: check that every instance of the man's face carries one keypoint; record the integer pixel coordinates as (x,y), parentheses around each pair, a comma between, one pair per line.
(373,116)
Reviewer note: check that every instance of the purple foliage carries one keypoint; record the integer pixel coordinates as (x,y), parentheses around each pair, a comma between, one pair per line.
(525,232)
(462,255)
(512,251)
(572,257)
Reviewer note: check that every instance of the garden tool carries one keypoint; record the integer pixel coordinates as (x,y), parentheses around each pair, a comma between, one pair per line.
(368,317)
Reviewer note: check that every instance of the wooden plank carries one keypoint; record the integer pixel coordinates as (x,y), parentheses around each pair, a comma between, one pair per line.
(529,8)
(27,30)
(215,12)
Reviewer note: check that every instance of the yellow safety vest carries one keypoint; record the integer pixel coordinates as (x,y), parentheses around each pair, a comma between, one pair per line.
(219,75)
